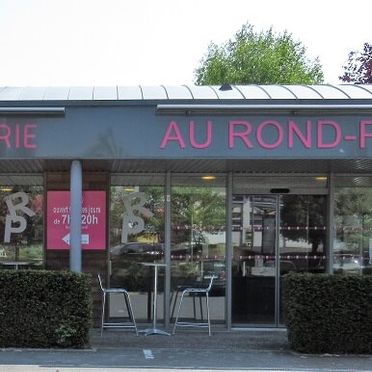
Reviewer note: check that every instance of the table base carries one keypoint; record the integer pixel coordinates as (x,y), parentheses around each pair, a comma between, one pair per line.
(154,331)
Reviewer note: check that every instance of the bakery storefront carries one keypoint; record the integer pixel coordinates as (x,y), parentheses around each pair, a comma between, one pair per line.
(246,183)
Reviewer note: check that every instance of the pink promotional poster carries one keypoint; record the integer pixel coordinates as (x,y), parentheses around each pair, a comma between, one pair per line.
(93,220)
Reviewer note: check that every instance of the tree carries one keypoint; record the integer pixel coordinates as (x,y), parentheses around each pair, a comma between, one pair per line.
(353,217)
(308,213)
(197,210)
(258,58)
(359,66)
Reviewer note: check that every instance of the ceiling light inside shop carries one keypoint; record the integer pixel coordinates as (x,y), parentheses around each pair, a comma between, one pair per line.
(208,177)
(6,189)
(321,178)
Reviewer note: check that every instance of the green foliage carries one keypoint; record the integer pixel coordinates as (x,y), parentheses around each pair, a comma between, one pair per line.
(203,206)
(44,309)
(306,211)
(328,313)
(358,69)
(65,335)
(353,217)
(258,58)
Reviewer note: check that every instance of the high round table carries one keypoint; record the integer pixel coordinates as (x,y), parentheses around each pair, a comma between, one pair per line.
(154,330)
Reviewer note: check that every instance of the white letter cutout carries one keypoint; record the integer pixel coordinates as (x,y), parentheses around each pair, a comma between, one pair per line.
(12,217)
(134,224)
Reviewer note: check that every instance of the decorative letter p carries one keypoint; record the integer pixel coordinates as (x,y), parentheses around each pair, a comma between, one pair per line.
(13,217)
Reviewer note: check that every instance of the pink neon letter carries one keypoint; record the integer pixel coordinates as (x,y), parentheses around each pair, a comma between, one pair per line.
(337,129)
(176,136)
(293,128)
(260,129)
(192,136)
(5,137)
(243,135)
(363,134)
(17,136)
(28,136)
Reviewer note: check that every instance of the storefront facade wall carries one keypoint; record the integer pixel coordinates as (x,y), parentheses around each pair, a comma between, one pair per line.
(280,175)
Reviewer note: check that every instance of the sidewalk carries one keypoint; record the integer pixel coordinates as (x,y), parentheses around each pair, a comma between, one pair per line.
(272,339)
(187,350)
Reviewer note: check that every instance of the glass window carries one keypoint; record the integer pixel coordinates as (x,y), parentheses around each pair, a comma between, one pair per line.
(198,241)
(136,235)
(352,248)
(21,226)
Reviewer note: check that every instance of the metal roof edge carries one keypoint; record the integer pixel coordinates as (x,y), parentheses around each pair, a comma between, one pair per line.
(86,95)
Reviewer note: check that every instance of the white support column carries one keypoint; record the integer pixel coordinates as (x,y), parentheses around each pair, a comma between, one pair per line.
(76,191)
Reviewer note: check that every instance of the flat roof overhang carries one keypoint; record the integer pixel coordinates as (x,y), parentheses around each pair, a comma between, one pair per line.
(263,109)
(188,100)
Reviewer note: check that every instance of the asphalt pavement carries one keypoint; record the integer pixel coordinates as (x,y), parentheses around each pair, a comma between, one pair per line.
(187,350)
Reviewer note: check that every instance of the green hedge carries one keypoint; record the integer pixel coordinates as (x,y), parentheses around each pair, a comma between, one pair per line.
(328,313)
(41,309)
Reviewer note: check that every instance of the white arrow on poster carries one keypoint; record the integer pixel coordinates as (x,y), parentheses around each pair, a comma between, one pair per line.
(84,239)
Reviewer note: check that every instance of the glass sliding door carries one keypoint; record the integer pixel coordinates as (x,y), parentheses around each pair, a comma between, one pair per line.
(272,236)
(254,265)
(302,236)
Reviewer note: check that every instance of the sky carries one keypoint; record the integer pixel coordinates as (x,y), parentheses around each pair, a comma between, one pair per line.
(152,42)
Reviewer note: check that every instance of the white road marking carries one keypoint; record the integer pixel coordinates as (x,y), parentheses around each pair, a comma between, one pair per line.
(148,354)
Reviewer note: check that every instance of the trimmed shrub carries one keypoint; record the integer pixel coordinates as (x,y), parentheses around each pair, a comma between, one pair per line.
(44,309)
(328,313)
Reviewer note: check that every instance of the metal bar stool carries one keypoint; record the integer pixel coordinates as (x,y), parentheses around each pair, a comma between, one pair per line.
(194,292)
(131,323)
(174,299)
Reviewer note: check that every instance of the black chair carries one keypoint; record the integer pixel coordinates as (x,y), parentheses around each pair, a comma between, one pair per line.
(131,323)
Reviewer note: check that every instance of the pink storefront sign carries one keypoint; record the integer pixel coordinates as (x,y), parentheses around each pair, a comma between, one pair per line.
(93,220)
